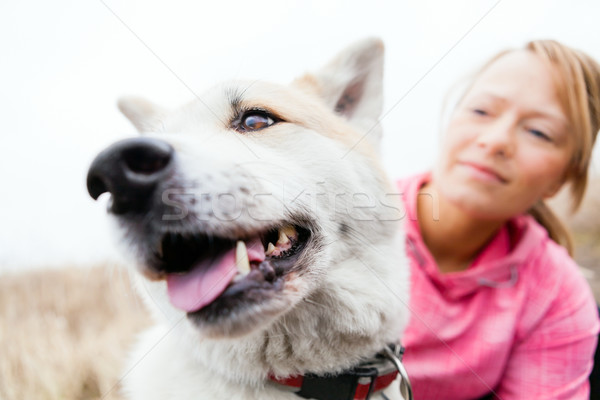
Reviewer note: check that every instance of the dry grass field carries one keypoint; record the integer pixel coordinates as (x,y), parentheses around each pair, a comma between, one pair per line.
(64,333)
(585,225)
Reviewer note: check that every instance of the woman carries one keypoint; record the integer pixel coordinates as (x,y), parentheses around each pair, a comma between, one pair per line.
(498,306)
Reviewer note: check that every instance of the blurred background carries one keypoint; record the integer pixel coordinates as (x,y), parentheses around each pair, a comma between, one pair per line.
(64,331)
(64,63)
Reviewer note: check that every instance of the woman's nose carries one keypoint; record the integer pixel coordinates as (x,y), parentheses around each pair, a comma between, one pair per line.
(497,137)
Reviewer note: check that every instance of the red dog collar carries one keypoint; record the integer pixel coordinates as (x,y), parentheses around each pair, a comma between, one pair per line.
(355,384)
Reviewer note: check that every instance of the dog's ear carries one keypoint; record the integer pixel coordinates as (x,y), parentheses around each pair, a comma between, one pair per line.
(144,115)
(352,85)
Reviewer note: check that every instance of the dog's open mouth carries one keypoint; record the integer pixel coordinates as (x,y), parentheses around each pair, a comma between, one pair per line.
(202,268)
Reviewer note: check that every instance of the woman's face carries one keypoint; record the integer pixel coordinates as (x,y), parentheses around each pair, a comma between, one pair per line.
(507,144)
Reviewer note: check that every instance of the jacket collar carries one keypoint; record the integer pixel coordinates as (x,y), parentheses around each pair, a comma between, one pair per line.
(522,236)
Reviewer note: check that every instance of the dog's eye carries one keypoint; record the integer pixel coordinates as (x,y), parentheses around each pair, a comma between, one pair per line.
(254,120)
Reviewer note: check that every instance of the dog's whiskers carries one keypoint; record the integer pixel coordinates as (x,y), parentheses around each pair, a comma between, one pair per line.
(314,303)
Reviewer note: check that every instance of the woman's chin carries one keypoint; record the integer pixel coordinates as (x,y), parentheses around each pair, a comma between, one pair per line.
(476,203)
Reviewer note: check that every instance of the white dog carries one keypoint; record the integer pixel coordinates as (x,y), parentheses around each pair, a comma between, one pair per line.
(266,237)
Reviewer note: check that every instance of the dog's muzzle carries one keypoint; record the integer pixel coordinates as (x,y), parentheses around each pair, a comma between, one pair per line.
(130,171)
(213,276)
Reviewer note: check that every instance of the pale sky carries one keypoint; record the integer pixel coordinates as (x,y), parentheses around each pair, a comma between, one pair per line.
(64,63)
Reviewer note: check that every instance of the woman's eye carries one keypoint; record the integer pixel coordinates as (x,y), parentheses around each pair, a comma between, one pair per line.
(480,111)
(255,120)
(540,134)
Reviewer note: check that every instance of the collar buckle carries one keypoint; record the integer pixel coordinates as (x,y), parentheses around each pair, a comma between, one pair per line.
(394,353)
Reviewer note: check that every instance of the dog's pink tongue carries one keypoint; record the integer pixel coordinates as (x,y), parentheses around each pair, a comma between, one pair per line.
(203,284)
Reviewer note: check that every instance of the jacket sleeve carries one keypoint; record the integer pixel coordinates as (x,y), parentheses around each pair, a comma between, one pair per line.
(553,357)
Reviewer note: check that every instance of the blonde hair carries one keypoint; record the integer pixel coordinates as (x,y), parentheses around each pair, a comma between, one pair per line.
(577,78)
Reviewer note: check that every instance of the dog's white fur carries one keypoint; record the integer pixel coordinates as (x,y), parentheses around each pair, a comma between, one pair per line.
(350,299)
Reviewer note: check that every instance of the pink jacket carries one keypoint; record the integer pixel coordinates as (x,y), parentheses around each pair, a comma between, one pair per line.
(520,322)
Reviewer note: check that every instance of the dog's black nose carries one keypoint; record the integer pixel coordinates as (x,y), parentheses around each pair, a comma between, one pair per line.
(130,170)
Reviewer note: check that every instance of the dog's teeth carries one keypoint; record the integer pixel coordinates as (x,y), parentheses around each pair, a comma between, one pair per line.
(283,237)
(241,258)
(290,231)
(286,234)
(270,249)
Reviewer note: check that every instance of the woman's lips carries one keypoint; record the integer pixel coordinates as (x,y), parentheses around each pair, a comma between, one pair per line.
(483,172)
